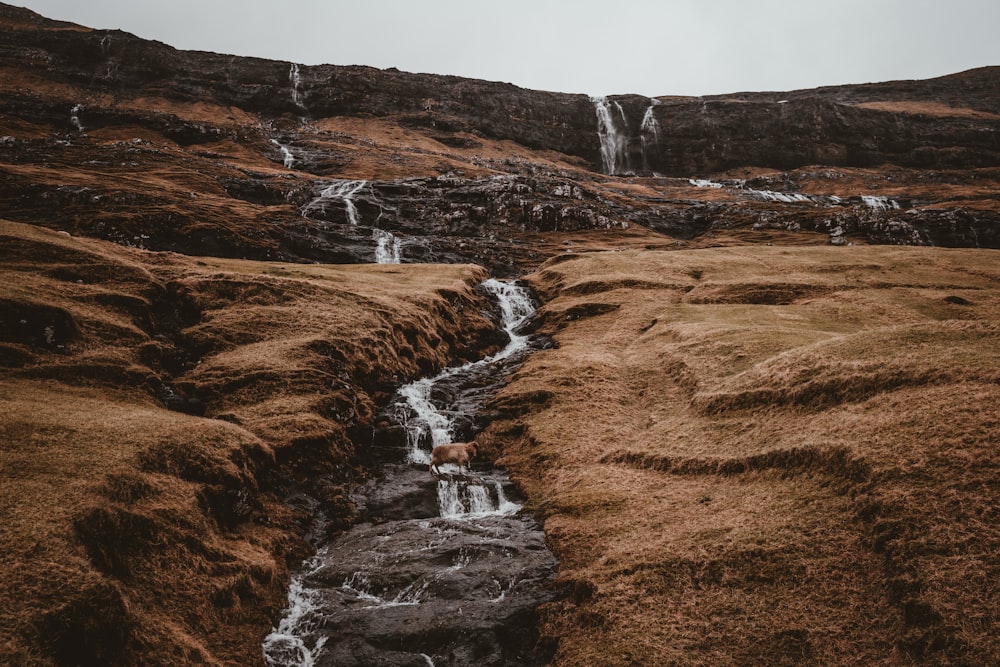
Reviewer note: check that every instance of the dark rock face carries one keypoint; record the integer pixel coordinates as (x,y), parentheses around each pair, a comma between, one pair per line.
(104,104)
(696,135)
(825,126)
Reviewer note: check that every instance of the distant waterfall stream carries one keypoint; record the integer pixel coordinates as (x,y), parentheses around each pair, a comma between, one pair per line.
(442,570)
(388,248)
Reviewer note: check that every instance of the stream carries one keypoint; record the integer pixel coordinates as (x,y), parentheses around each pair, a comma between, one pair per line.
(438,571)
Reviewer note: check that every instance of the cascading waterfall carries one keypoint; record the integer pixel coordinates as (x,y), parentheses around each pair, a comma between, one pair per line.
(342,191)
(880,203)
(614,141)
(285,645)
(74,117)
(295,79)
(385,591)
(649,131)
(286,154)
(430,422)
(387,247)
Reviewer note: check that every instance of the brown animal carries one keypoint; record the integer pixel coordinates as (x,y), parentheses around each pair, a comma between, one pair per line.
(457,452)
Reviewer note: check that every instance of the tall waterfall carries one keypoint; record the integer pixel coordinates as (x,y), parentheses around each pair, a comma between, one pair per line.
(295,79)
(649,131)
(343,191)
(612,130)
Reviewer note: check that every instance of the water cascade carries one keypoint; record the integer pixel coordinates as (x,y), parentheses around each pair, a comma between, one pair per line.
(614,139)
(649,131)
(387,247)
(342,191)
(880,203)
(295,79)
(286,154)
(442,570)
(74,117)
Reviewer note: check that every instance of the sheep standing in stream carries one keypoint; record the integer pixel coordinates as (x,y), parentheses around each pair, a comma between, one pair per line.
(459,453)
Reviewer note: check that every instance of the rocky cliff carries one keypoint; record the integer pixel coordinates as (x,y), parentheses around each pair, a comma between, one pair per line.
(105,134)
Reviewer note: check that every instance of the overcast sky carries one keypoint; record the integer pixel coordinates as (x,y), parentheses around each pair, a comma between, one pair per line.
(648,47)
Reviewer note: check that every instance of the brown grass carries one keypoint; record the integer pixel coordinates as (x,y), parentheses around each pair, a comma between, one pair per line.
(134,534)
(767,455)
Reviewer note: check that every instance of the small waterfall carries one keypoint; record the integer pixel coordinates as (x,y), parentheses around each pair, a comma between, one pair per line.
(614,140)
(74,117)
(459,498)
(295,79)
(286,154)
(880,203)
(783,197)
(649,131)
(342,191)
(704,183)
(105,44)
(285,645)
(387,248)
(428,422)
(385,590)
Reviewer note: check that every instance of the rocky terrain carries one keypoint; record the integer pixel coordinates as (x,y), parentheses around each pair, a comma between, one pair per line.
(773,455)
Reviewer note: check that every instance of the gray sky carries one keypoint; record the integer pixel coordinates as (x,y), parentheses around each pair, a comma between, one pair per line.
(648,47)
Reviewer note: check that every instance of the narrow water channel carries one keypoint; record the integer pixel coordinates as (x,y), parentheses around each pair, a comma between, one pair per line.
(439,571)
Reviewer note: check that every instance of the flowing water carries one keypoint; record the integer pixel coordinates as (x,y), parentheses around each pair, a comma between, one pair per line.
(286,154)
(387,247)
(649,131)
(439,570)
(612,130)
(74,117)
(342,191)
(295,80)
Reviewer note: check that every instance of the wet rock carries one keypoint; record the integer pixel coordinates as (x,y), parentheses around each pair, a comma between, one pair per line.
(460,592)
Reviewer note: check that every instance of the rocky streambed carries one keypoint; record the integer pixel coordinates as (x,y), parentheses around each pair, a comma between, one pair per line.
(438,569)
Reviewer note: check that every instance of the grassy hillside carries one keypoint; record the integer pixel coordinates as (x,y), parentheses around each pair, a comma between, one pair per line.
(137,534)
(767,455)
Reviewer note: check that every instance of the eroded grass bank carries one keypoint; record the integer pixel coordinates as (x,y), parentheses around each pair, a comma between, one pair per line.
(767,455)
(138,534)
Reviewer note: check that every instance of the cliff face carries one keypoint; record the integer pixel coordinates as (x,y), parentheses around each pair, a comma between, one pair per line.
(694,136)
(108,135)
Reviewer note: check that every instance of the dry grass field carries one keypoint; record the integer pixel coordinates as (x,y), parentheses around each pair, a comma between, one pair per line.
(767,456)
(134,534)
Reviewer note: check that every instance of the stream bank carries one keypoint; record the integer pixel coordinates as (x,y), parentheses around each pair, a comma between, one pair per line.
(440,570)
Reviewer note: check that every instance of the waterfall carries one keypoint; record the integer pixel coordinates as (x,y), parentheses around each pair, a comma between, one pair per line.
(343,191)
(401,569)
(649,131)
(614,142)
(74,117)
(515,308)
(286,154)
(426,421)
(879,203)
(387,249)
(285,644)
(295,78)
